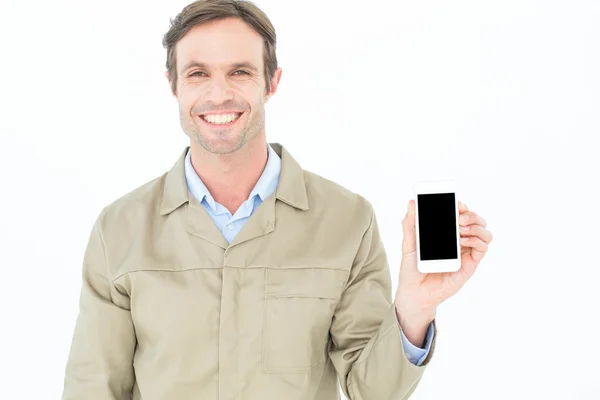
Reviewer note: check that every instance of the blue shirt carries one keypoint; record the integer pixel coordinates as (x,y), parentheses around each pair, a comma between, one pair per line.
(230,225)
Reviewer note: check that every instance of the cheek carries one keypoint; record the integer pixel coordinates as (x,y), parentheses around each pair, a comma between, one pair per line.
(190,100)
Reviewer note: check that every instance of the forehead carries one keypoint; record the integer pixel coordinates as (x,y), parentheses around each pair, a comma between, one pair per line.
(219,44)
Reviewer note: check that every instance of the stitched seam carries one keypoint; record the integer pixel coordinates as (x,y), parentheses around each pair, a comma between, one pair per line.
(161,270)
(199,268)
(306,267)
(106,268)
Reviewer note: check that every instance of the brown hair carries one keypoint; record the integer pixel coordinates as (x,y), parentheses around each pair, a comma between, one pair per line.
(202,11)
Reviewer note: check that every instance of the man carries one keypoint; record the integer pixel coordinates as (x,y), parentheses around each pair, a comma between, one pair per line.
(239,275)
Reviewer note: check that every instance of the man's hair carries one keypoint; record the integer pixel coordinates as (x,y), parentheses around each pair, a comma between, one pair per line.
(203,11)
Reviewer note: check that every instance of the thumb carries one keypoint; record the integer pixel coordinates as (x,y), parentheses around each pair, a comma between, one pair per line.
(409,241)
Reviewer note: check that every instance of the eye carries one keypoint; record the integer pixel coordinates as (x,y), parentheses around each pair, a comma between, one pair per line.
(200,72)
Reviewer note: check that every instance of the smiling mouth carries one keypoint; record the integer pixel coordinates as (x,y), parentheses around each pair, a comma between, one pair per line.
(221,120)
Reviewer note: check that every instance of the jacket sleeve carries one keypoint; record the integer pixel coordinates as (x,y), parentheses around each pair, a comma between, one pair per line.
(367,350)
(100,362)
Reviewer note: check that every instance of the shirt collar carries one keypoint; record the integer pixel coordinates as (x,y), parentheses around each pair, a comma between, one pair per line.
(266,185)
(291,188)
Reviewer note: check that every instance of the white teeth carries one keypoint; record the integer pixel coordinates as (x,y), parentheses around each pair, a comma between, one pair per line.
(221,118)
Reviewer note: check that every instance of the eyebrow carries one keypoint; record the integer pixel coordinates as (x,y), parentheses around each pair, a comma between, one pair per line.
(244,64)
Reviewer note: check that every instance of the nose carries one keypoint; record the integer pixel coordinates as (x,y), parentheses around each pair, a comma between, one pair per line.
(218,90)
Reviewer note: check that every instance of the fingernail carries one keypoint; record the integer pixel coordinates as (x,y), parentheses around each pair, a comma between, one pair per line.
(464,218)
(465,228)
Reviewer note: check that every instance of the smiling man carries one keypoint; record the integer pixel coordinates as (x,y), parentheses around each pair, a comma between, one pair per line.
(239,275)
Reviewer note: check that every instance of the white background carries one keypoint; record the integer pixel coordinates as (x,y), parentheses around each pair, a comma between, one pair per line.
(501,96)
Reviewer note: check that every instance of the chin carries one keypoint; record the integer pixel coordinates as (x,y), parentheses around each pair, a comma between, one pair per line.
(222,146)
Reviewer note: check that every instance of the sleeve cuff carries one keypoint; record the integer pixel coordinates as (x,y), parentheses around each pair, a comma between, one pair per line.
(417,355)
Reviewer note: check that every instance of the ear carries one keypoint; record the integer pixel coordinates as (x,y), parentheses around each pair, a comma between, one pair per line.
(274,84)
(169,80)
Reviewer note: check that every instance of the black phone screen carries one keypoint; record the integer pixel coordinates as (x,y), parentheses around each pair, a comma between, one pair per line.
(437,226)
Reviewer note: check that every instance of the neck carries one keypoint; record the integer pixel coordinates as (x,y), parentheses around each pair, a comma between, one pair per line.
(231,177)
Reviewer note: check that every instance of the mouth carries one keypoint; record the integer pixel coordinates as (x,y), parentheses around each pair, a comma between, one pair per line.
(221,120)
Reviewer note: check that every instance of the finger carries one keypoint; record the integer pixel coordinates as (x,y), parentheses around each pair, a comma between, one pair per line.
(409,218)
(477,255)
(410,212)
(409,240)
(470,217)
(478,231)
(412,209)
(462,207)
(474,242)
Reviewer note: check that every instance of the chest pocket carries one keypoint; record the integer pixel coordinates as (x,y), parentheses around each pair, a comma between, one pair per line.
(299,307)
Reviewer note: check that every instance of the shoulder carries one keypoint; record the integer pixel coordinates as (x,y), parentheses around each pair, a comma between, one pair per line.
(337,200)
(126,222)
(143,201)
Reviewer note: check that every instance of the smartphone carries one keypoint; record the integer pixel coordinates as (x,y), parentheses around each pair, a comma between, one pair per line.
(438,238)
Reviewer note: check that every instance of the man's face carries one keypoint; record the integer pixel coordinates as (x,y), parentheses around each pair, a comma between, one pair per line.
(220,71)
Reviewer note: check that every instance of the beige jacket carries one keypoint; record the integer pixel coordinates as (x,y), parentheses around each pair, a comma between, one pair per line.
(301,297)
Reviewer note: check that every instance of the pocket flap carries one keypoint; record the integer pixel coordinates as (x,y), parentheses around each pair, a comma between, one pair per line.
(305,282)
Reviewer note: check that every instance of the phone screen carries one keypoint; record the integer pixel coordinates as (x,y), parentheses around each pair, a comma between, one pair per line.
(437,226)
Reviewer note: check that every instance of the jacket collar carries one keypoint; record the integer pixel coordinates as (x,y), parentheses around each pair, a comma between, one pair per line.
(291,188)
(265,186)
